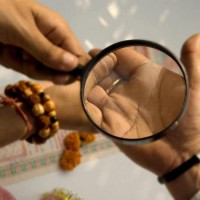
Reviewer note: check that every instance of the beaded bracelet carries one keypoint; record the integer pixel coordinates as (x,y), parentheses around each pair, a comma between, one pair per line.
(42,108)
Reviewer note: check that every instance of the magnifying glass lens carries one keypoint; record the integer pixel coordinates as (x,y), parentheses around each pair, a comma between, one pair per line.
(134,92)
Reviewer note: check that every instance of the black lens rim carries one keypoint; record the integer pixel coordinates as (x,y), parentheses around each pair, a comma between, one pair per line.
(127,43)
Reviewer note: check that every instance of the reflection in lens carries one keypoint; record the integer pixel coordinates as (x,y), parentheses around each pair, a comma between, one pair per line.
(134,92)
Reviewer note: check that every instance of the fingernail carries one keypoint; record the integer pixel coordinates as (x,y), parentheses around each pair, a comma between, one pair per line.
(69,61)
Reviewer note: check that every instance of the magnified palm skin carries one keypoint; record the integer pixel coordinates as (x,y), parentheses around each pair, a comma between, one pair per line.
(146,99)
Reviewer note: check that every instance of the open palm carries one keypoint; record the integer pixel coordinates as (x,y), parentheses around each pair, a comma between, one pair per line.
(144,100)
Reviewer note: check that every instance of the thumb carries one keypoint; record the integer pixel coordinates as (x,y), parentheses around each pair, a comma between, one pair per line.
(190,56)
(94,52)
(47,53)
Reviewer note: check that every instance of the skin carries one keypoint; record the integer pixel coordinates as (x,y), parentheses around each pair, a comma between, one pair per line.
(146,91)
(167,153)
(38,42)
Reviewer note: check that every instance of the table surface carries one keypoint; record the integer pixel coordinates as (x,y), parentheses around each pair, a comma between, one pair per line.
(113,177)
(98,24)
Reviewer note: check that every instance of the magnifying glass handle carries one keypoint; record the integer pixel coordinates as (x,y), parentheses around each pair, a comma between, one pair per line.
(78,71)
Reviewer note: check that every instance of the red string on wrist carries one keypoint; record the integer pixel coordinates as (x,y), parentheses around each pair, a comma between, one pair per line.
(11,101)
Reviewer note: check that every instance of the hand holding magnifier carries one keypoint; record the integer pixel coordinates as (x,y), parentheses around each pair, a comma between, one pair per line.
(134,91)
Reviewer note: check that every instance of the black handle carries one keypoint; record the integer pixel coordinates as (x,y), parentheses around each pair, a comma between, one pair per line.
(78,71)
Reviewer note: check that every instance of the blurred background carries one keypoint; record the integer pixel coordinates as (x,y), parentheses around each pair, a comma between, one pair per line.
(98,24)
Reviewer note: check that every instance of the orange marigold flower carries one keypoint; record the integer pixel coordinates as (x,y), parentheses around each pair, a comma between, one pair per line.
(86,137)
(72,141)
(70,159)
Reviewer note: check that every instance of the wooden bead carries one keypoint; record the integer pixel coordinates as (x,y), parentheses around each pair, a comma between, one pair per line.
(44,133)
(9,91)
(44,121)
(55,127)
(30,83)
(44,96)
(53,119)
(52,113)
(21,87)
(49,106)
(22,82)
(27,92)
(34,99)
(35,86)
(37,89)
(38,109)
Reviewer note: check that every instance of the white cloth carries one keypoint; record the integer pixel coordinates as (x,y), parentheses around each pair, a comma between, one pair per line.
(196,196)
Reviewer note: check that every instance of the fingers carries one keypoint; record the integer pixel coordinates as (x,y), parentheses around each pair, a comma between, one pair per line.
(104,66)
(15,58)
(94,52)
(56,30)
(45,35)
(48,53)
(100,71)
(190,56)
(128,61)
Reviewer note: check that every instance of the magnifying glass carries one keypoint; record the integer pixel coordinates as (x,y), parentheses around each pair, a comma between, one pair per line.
(134,91)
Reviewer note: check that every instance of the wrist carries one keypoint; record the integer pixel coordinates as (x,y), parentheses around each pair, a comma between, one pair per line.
(182,178)
(186,185)
(13,125)
(69,108)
